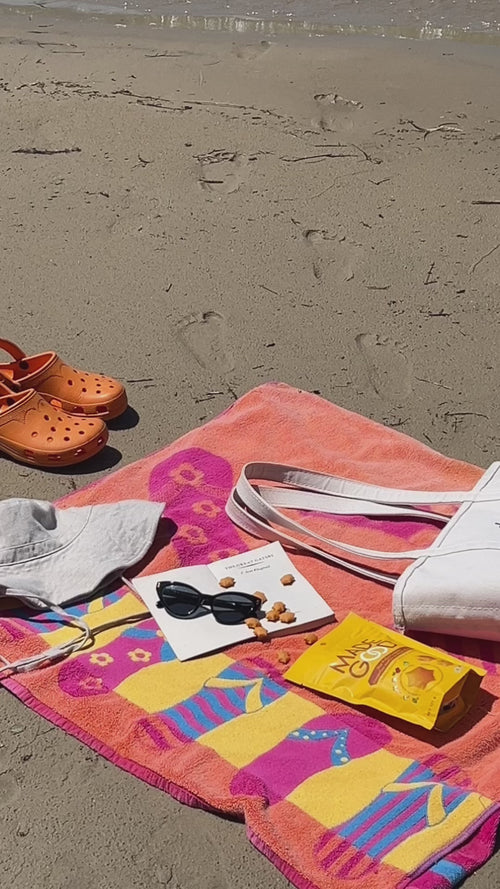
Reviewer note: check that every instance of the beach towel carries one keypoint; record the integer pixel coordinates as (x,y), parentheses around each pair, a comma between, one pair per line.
(332,795)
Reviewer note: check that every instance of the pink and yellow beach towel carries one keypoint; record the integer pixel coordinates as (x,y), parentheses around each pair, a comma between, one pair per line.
(333,796)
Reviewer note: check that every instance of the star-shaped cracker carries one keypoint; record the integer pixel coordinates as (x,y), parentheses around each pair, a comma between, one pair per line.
(420,677)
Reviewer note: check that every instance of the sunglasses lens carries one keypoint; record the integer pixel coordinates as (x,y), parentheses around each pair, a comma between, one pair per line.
(179,599)
(232,608)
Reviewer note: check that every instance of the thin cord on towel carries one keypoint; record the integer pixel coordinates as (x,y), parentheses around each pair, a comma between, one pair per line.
(30,663)
(130,586)
(71,647)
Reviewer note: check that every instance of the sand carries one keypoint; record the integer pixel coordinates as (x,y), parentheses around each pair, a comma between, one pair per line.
(217,212)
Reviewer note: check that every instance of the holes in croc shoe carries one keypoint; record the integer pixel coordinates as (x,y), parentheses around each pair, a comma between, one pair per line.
(24,365)
(91,424)
(61,419)
(52,428)
(82,379)
(34,434)
(50,438)
(70,382)
(67,429)
(76,423)
(46,417)
(84,389)
(81,432)
(66,438)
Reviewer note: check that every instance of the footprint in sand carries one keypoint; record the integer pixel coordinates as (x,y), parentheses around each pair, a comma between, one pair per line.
(64,874)
(388,369)
(222,172)
(9,789)
(52,137)
(332,254)
(251,51)
(208,338)
(136,216)
(334,114)
(319,244)
(349,262)
(182,868)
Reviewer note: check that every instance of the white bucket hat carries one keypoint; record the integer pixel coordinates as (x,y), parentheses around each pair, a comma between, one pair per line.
(50,557)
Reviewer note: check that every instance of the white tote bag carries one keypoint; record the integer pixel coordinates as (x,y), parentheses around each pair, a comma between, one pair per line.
(451,587)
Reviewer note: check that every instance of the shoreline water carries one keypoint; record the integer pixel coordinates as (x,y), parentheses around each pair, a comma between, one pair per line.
(460,21)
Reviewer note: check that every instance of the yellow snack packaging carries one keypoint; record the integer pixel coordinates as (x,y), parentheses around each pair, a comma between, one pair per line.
(365,664)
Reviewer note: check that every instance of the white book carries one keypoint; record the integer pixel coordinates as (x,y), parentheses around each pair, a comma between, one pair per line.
(257,570)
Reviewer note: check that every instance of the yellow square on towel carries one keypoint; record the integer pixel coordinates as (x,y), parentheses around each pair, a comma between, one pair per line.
(164,685)
(335,795)
(244,739)
(411,853)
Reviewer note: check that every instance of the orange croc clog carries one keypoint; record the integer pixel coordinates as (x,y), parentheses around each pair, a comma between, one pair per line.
(73,391)
(34,432)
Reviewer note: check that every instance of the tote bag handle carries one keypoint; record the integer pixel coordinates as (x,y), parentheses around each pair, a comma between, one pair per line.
(254,508)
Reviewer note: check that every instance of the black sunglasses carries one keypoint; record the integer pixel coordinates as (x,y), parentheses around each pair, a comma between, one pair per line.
(184,601)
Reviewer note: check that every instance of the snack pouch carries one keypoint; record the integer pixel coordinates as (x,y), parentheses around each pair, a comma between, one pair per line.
(365,664)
